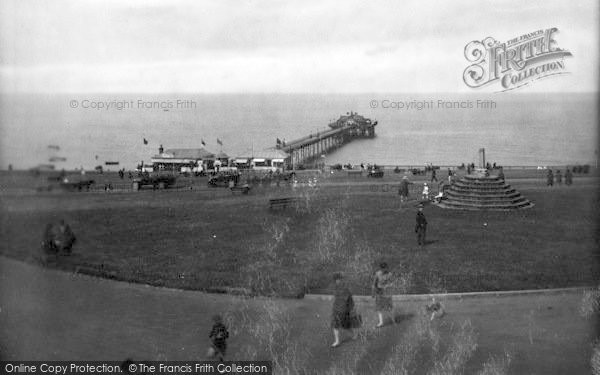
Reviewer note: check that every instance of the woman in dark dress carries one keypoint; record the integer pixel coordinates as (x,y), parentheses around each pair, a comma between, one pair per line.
(383,301)
(403,190)
(343,315)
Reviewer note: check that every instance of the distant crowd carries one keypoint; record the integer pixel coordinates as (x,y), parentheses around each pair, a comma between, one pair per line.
(557,177)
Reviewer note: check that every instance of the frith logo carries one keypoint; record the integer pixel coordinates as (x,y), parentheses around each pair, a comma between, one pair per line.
(516,62)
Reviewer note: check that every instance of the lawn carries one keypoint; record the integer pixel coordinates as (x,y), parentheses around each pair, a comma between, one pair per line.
(211,240)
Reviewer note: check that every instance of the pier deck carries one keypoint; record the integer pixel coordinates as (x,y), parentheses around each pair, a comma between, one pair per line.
(312,146)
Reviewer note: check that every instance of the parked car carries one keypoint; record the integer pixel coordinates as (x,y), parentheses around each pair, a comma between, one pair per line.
(157,181)
(222,179)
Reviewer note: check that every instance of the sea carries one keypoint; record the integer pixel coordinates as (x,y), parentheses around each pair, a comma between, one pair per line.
(86,130)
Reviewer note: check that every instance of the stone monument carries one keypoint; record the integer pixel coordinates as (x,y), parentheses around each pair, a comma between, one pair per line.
(483,190)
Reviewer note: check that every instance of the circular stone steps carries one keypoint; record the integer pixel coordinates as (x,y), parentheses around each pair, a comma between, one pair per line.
(476,192)
(488,194)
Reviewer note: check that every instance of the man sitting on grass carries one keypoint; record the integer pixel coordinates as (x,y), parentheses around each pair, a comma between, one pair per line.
(58,240)
(64,238)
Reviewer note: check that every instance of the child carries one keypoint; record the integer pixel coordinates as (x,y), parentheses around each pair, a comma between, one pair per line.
(218,336)
(425,191)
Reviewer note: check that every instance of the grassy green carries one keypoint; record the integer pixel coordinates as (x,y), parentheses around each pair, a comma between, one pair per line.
(209,239)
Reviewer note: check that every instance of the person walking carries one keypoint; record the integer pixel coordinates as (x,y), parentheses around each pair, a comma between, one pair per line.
(433,176)
(568,177)
(421,226)
(549,178)
(558,177)
(403,190)
(382,281)
(218,336)
(343,315)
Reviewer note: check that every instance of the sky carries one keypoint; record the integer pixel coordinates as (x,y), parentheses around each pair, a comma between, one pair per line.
(307,46)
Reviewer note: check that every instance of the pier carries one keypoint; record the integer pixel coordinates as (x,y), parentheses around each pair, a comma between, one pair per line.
(342,131)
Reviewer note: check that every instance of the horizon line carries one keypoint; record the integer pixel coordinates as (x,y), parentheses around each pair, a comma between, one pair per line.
(290,92)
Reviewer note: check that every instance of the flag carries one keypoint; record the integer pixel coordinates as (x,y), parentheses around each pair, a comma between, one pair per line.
(219,142)
(145,141)
(203,143)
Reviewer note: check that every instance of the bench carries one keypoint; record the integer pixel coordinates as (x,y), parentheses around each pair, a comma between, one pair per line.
(282,202)
(377,173)
(239,189)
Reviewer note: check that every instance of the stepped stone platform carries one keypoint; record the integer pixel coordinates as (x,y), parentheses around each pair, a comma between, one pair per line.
(480,192)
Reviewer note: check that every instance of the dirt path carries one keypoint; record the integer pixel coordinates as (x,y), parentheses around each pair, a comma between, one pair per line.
(52,315)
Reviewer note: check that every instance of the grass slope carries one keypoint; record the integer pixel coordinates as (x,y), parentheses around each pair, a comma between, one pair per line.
(208,239)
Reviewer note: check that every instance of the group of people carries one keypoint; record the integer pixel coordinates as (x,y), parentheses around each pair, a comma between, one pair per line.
(558,178)
(58,239)
(122,174)
(434,175)
(403,190)
(344,315)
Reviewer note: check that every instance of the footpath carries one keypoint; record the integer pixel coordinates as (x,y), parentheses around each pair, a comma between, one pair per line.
(53,315)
